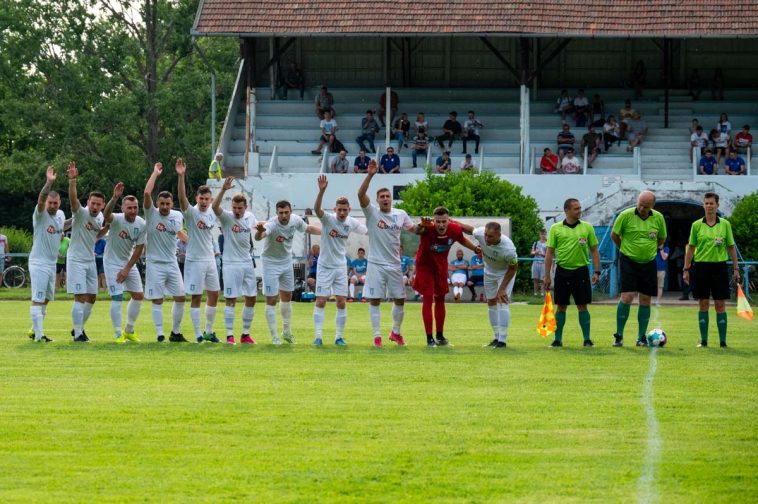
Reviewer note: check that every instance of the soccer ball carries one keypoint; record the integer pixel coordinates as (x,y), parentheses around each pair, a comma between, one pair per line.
(656,337)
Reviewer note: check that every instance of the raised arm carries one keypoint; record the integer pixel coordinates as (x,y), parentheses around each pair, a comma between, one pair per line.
(46,189)
(72,196)
(322,184)
(228,183)
(181,170)
(260,230)
(363,190)
(147,201)
(118,190)
(103,231)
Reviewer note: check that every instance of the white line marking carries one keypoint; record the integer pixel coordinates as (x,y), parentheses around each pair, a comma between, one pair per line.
(646,483)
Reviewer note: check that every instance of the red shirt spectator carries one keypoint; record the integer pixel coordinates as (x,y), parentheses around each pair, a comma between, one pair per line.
(743,140)
(549,162)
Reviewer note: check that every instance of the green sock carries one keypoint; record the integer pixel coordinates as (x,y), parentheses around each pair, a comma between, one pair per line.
(702,320)
(643,318)
(721,324)
(584,323)
(622,314)
(560,321)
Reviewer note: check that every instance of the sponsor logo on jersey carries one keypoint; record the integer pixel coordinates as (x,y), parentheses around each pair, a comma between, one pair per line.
(51,229)
(160,227)
(388,227)
(203,225)
(123,234)
(282,238)
(336,234)
(240,229)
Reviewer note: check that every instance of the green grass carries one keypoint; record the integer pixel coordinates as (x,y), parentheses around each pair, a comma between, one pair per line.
(191,423)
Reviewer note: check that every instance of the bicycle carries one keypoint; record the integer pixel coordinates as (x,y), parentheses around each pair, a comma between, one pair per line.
(14,277)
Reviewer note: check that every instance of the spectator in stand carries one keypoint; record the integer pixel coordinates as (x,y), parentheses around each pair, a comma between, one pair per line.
(401,131)
(324,102)
(471,128)
(421,123)
(340,164)
(394,101)
(625,115)
(611,132)
(591,140)
(637,78)
(60,265)
(734,165)
(467,163)
(637,131)
(99,251)
(597,111)
(570,164)
(708,164)
(720,144)
(313,267)
(443,164)
(181,252)
(549,161)
(565,141)
(743,140)
(450,131)
(292,79)
(581,109)
(724,126)
(475,275)
(564,104)
(328,133)
(694,125)
(420,146)
(369,128)
(360,165)
(693,85)
(717,86)
(698,139)
(390,162)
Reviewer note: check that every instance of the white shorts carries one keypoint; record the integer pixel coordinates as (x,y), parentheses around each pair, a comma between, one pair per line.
(201,276)
(458,278)
(538,270)
(492,283)
(277,277)
(239,280)
(384,279)
(359,279)
(133,282)
(81,277)
(331,281)
(43,281)
(163,279)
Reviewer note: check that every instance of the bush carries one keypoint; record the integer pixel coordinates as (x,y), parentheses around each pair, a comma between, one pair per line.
(745,226)
(19,240)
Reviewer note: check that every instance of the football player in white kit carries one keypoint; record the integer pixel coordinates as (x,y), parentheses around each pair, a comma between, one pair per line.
(200,271)
(384,273)
(47,221)
(331,276)
(276,259)
(500,266)
(237,262)
(126,242)
(81,271)
(162,275)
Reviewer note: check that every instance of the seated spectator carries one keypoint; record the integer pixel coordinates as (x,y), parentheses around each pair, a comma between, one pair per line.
(394,101)
(467,163)
(717,85)
(693,85)
(570,164)
(743,140)
(450,131)
(724,126)
(443,164)
(611,132)
(340,164)
(720,143)
(401,131)
(292,79)
(708,164)
(637,130)
(565,141)
(581,109)
(390,162)
(549,161)
(564,104)
(328,133)
(476,274)
(637,78)
(369,128)
(625,115)
(698,139)
(597,111)
(420,146)
(471,128)
(591,140)
(360,165)
(694,125)
(324,102)
(420,123)
(734,165)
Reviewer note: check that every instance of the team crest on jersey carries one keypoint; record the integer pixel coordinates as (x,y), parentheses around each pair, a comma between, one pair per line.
(582,241)
(653,235)
(718,241)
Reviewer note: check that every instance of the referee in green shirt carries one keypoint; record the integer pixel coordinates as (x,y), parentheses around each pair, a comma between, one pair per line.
(638,233)
(710,240)
(569,242)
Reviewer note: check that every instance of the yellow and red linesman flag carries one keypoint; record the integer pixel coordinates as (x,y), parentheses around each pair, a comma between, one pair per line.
(547,324)
(743,307)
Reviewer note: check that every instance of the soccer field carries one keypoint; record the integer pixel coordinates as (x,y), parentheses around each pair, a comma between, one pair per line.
(102,422)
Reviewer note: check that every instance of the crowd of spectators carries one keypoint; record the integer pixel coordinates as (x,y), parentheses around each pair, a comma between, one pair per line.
(720,144)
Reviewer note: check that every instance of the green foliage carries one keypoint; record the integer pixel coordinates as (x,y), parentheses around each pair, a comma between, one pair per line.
(745,226)
(19,240)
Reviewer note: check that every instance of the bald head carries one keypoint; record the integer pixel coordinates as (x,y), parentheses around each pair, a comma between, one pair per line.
(645,203)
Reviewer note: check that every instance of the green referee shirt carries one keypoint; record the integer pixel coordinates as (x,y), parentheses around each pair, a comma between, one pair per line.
(572,243)
(711,242)
(639,237)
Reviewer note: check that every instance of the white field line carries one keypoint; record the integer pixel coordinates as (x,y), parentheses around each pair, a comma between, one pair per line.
(646,483)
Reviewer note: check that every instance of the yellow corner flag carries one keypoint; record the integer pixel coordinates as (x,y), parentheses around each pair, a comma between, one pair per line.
(547,324)
(743,307)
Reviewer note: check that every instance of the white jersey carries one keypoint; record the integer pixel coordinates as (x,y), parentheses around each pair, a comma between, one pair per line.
(122,238)
(497,258)
(334,239)
(200,230)
(161,234)
(47,236)
(384,231)
(277,246)
(84,229)
(237,239)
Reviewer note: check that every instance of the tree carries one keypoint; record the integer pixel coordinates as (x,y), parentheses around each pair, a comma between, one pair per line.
(745,226)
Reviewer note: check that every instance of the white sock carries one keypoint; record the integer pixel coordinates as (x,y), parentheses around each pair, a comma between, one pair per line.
(37,318)
(398,312)
(210,318)
(376,319)
(177,313)
(229,320)
(285,309)
(271,319)
(504,316)
(351,290)
(77,317)
(494,320)
(87,311)
(195,318)
(318,321)
(44,310)
(133,308)
(248,312)
(340,320)
(158,318)
(116,316)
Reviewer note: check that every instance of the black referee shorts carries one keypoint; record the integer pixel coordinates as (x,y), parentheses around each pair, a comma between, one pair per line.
(711,279)
(574,283)
(638,277)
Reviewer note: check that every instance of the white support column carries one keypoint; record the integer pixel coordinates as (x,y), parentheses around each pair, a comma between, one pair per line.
(748,155)
(584,160)
(273,164)
(324,159)
(695,160)
(387,114)
(481,158)
(524,142)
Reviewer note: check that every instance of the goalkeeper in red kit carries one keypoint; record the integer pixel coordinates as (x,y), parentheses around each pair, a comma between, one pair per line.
(438,234)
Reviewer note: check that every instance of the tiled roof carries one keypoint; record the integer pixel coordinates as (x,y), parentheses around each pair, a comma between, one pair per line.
(580,18)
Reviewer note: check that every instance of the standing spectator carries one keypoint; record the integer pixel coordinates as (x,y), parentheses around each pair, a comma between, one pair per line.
(743,140)
(60,265)
(324,102)
(360,165)
(581,109)
(678,258)
(401,131)
(717,85)
(99,251)
(720,144)
(637,78)
(724,126)
(390,162)
(181,252)
(328,133)
(450,131)
(708,164)
(292,79)
(611,132)
(565,141)
(570,164)
(661,266)
(539,248)
(421,122)
(549,161)
(625,115)
(734,165)
(564,104)
(369,128)
(698,139)
(215,170)
(4,257)
(597,111)
(693,85)
(340,163)
(443,164)
(420,146)
(313,267)
(637,131)
(471,128)
(467,163)
(591,140)
(394,101)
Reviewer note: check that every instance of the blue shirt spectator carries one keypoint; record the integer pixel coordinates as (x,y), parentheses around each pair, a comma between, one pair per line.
(405,262)
(707,165)
(476,274)
(660,262)
(390,162)
(360,165)
(360,265)
(734,164)
(100,247)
